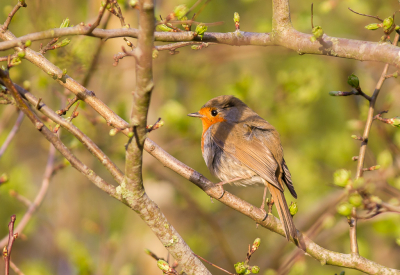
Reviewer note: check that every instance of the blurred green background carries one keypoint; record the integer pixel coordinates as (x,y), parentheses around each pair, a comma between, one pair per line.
(80,230)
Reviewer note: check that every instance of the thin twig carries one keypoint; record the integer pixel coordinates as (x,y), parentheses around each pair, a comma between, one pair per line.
(12,133)
(118,13)
(10,241)
(21,198)
(210,263)
(353,232)
(363,147)
(97,22)
(96,57)
(174,46)
(40,195)
(312,15)
(15,268)
(66,109)
(12,13)
(362,14)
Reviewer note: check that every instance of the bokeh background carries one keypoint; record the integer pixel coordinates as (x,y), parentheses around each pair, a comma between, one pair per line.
(80,230)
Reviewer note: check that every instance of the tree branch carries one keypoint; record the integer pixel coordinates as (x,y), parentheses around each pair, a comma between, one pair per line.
(132,189)
(288,38)
(12,133)
(51,137)
(39,197)
(10,241)
(314,250)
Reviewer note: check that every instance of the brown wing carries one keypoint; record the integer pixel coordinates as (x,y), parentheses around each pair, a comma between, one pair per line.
(287,178)
(241,142)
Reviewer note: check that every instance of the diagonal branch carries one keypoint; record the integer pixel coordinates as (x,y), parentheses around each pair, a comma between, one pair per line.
(39,197)
(314,250)
(51,137)
(11,135)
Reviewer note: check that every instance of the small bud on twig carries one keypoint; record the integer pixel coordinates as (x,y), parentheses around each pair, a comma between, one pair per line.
(240,268)
(356,200)
(65,23)
(344,209)
(293,208)
(200,30)
(341,177)
(255,269)
(180,11)
(236,19)
(372,168)
(373,26)
(353,81)
(256,244)
(357,137)
(387,23)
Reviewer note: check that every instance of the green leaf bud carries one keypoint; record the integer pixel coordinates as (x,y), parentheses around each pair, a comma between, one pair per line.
(356,200)
(255,269)
(318,32)
(180,11)
(163,265)
(130,134)
(113,132)
(341,177)
(372,27)
(256,244)
(353,81)
(313,39)
(398,241)
(247,272)
(240,268)
(164,28)
(396,121)
(64,72)
(293,208)
(63,43)
(200,30)
(15,61)
(334,93)
(387,23)
(21,54)
(185,25)
(65,23)
(236,17)
(344,209)
(28,43)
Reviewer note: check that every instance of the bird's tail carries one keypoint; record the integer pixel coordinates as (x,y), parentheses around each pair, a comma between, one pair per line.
(284,213)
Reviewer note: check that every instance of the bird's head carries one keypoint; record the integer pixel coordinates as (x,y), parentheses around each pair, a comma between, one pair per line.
(219,109)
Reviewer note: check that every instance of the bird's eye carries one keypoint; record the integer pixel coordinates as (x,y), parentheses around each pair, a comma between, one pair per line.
(214,112)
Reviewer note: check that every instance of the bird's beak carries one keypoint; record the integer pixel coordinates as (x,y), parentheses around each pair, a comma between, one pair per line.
(197,114)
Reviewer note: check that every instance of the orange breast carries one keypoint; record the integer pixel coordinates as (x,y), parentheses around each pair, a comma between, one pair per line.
(207,121)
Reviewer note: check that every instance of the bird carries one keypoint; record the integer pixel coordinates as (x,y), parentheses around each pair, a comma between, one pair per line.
(240,147)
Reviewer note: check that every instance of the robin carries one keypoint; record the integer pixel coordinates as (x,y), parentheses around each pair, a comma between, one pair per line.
(240,147)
